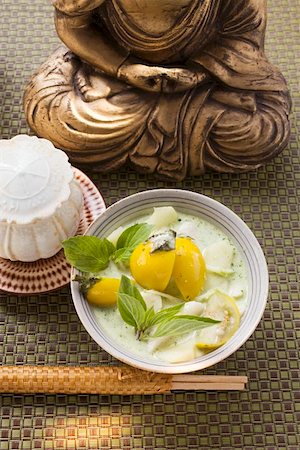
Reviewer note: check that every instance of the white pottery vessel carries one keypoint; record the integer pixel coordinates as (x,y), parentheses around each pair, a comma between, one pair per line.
(40,201)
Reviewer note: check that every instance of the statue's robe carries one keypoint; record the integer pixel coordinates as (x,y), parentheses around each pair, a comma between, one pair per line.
(236,121)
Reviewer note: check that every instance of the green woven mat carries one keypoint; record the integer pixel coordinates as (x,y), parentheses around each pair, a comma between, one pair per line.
(45,329)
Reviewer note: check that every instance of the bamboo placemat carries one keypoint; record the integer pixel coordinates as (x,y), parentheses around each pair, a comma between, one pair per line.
(45,329)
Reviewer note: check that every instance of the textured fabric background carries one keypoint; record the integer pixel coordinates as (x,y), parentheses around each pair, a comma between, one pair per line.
(45,329)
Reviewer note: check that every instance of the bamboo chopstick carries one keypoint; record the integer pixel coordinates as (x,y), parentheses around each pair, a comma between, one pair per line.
(207,386)
(123,380)
(208,382)
(210,378)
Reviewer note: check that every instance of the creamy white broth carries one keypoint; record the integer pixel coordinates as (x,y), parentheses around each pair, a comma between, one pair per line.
(204,235)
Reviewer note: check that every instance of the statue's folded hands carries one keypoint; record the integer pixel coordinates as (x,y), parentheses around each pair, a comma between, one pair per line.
(160,79)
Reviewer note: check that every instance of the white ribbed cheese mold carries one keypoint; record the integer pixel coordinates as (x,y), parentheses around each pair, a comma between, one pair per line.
(40,202)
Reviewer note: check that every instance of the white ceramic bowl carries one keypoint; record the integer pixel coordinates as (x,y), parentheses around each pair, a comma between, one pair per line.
(196,204)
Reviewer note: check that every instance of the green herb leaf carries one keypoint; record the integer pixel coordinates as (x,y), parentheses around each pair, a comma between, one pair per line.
(88,253)
(131,304)
(122,255)
(128,288)
(150,314)
(131,310)
(165,314)
(129,239)
(179,325)
(134,312)
(134,235)
(109,246)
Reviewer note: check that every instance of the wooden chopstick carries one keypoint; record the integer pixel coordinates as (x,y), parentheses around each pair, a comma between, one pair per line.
(210,378)
(207,386)
(208,382)
(121,380)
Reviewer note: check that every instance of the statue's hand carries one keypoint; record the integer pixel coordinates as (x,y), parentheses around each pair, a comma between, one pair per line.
(74,7)
(180,80)
(160,79)
(83,86)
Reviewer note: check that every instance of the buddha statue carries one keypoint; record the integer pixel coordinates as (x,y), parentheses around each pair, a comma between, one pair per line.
(174,87)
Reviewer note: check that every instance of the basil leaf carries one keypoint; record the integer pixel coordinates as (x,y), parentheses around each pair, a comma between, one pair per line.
(129,239)
(131,304)
(122,255)
(109,247)
(179,325)
(165,314)
(134,312)
(131,310)
(128,288)
(134,235)
(150,314)
(88,253)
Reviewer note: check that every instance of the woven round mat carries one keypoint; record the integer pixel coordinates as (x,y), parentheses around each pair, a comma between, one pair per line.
(45,329)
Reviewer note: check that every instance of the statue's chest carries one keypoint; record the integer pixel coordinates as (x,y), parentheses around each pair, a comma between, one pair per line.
(153,17)
(159,31)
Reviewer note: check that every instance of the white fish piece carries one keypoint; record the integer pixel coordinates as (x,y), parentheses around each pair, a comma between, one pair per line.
(219,257)
(192,308)
(162,217)
(154,344)
(182,351)
(212,280)
(152,299)
(40,201)
(188,229)
(206,295)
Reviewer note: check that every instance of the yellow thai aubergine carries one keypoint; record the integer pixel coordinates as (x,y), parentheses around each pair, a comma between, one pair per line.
(189,268)
(152,270)
(104,292)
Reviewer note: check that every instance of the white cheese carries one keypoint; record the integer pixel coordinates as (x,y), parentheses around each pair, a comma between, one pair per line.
(40,202)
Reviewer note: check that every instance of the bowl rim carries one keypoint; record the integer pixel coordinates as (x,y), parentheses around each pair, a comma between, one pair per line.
(84,312)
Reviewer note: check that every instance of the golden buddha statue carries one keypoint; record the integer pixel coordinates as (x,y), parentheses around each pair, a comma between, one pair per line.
(174,87)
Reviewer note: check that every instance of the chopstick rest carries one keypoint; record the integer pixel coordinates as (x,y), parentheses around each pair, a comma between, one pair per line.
(122,380)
